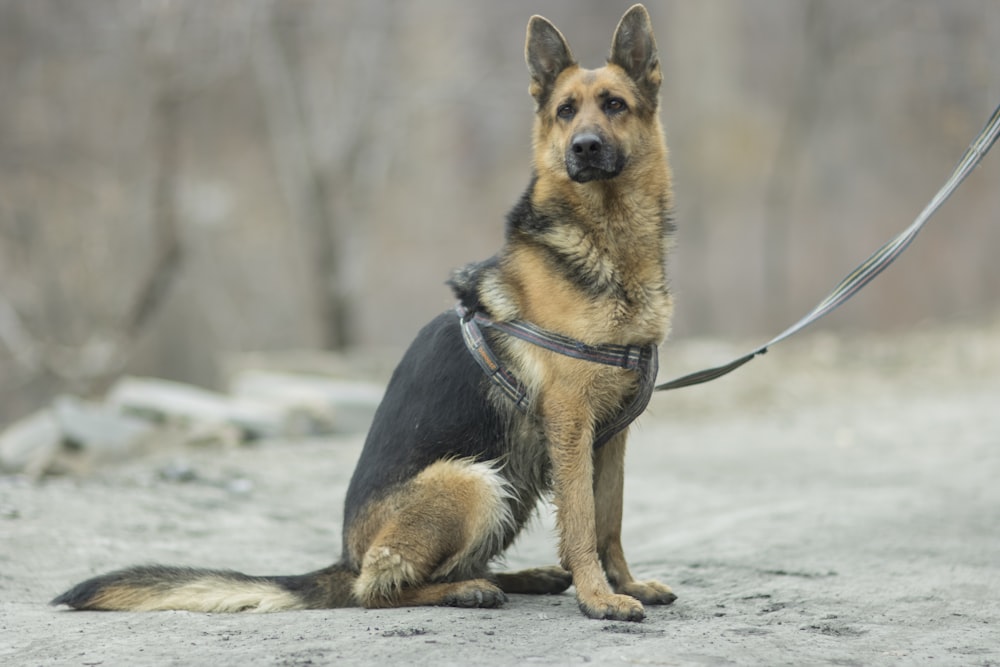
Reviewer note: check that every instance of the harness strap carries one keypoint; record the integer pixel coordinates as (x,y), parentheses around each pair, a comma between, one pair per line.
(622,356)
(476,343)
(641,358)
(648,367)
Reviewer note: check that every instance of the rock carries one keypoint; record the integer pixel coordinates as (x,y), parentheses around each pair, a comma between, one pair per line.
(99,429)
(176,403)
(312,404)
(179,472)
(69,436)
(30,445)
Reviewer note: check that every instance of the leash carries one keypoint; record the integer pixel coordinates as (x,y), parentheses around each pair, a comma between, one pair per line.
(866,272)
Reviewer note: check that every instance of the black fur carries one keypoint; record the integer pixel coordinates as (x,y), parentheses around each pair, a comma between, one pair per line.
(434,407)
(437,405)
(466,280)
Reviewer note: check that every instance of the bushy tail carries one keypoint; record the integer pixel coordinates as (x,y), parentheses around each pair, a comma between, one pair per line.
(158,587)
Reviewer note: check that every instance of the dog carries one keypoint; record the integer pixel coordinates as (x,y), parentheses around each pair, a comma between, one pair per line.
(526,389)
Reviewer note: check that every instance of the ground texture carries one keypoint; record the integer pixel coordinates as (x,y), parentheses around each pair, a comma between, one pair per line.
(835,502)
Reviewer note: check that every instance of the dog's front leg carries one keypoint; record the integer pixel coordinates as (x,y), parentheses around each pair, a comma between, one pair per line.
(570,434)
(609,484)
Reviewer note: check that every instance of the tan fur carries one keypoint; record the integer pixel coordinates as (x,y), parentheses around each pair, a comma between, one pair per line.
(209,594)
(428,531)
(622,243)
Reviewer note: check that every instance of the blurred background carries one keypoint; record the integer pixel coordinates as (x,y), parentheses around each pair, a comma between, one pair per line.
(181,179)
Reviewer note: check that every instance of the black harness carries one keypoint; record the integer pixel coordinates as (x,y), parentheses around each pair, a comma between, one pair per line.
(640,358)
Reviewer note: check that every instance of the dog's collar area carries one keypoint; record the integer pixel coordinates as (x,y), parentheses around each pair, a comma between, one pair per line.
(640,358)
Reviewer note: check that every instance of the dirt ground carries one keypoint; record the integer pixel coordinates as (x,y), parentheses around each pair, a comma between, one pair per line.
(835,502)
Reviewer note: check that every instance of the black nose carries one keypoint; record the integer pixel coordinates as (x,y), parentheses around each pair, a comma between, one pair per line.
(587,144)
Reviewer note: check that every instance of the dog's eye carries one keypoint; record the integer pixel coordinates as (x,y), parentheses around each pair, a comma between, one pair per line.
(566,111)
(615,104)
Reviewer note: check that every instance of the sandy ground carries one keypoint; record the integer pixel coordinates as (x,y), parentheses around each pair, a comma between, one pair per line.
(835,502)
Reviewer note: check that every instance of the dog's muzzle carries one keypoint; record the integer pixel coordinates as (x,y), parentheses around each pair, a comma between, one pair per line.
(592,158)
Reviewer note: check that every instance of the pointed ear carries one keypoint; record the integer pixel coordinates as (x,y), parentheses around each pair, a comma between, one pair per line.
(547,55)
(634,50)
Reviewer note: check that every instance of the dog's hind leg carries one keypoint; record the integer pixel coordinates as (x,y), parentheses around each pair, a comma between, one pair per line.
(609,468)
(434,538)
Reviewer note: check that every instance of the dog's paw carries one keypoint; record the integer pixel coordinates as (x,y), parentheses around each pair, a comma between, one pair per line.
(613,607)
(648,592)
(474,593)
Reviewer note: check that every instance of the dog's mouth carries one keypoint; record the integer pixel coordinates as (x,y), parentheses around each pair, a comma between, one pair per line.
(588,174)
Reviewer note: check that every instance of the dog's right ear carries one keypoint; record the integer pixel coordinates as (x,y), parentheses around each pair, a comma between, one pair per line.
(634,50)
(547,55)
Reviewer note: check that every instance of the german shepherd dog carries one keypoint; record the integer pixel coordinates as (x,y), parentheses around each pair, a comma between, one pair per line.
(478,423)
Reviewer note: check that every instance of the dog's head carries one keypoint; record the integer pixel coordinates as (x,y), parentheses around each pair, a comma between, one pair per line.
(589,122)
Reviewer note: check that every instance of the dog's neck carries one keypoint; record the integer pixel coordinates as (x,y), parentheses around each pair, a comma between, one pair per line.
(606,239)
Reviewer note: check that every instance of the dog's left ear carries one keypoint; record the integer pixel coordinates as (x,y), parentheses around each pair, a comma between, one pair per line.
(634,50)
